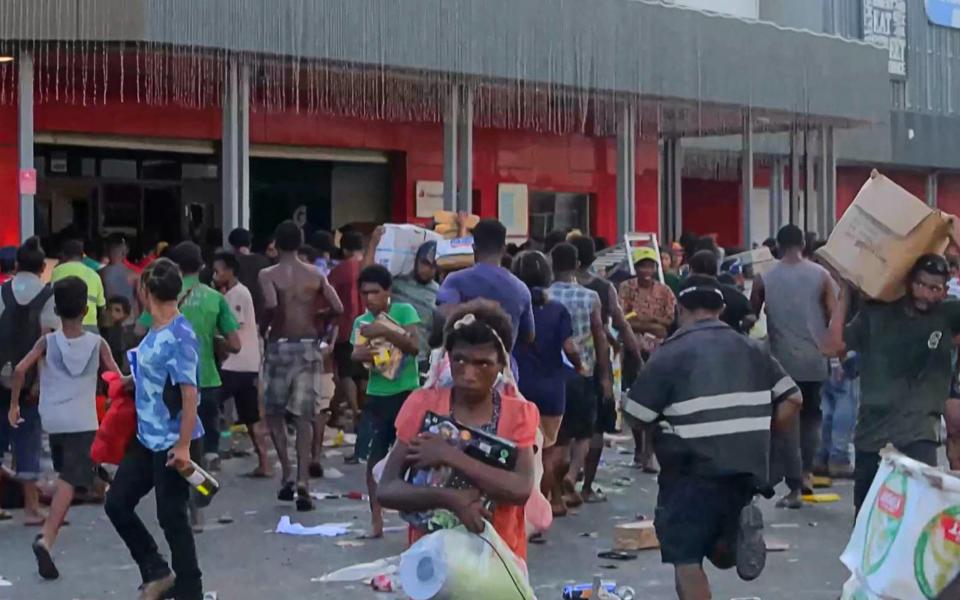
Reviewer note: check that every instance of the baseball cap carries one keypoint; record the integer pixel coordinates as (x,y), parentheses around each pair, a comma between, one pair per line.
(700,291)
(644,253)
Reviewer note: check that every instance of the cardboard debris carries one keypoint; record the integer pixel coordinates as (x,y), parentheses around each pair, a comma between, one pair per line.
(776,545)
(881,236)
(639,535)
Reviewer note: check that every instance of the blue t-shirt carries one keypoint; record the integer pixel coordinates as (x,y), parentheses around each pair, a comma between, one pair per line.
(543,374)
(166,356)
(492,283)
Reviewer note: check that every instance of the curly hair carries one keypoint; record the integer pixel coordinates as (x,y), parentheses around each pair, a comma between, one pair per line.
(479,324)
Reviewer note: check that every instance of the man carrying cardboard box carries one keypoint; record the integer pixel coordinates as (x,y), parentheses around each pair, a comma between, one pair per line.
(906,367)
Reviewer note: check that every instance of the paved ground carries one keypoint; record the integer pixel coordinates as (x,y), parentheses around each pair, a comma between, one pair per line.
(246,560)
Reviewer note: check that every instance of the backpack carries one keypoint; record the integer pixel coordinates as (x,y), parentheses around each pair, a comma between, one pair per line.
(20,327)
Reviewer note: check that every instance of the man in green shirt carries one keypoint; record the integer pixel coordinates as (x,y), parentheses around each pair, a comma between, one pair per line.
(210,316)
(906,367)
(385,395)
(72,266)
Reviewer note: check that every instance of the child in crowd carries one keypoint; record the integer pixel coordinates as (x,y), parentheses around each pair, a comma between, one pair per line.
(117,330)
(384,396)
(71,360)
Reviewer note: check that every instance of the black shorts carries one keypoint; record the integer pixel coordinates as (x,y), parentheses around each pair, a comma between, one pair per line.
(347,368)
(381,412)
(694,513)
(71,458)
(606,421)
(242,387)
(580,416)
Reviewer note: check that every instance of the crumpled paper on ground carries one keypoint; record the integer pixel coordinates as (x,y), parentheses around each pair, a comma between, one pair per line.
(326,530)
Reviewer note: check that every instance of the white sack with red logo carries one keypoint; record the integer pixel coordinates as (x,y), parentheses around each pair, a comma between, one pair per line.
(906,543)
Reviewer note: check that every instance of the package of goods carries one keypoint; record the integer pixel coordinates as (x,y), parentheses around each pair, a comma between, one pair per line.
(397,250)
(639,535)
(455,254)
(906,543)
(759,260)
(387,358)
(880,237)
(454,563)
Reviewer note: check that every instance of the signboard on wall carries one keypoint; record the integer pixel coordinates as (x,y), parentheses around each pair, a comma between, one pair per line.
(429,198)
(512,208)
(945,13)
(885,24)
(747,9)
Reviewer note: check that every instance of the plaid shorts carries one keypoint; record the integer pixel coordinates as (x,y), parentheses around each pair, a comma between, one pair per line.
(291,377)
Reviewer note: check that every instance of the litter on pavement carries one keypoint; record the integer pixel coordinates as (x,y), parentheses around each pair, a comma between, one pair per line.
(325,530)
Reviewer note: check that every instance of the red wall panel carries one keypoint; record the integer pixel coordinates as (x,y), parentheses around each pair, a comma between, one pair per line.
(9,159)
(851,179)
(948,193)
(712,207)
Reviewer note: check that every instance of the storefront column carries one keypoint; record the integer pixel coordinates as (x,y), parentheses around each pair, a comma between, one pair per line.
(746,178)
(243,147)
(450,164)
(809,174)
(933,181)
(229,153)
(626,170)
(776,196)
(25,142)
(465,152)
(823,183)
(830,159)
(671,193)
(794,203)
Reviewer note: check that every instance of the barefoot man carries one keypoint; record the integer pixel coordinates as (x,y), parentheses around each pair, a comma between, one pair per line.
(294,293)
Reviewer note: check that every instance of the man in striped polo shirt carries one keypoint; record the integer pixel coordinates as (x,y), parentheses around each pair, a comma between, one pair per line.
(711,396)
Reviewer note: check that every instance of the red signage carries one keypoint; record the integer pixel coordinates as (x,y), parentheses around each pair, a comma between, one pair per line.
(28,181)
(890,502)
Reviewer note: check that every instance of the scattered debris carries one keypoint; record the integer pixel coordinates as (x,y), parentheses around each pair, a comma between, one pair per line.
(361,571)
(326,530)
(225,519)
(5,583)
(638,535)
(589,534)
(784,525)
(248,513)
(617,555)
(385,583)
(821,498)
(350,543)
(332,473)
(774,545)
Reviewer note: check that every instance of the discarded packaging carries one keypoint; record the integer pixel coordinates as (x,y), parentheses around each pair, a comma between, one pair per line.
(285,526)
(880,237)
(821,498)
(361,571)
(639,535)
(906,543)
(384,583)
(454,563)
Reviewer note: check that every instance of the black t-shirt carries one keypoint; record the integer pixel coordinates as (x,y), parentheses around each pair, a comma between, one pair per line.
(737,308)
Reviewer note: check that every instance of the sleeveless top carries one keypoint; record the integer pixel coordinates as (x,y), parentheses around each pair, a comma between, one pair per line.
(796,322)
(68,383)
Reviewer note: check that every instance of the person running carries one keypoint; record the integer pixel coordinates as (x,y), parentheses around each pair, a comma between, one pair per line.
(478,345)
(166,382)
(71,359)
(651,310)
(542,372)
(905,350)
(293,293)
(385,395)
(118,279)
(239,372)
(71,254)
(611,313)
(799,296)
(350,376)
(592,385)
(210,317)
(489,281)
(709,394)
(26,312)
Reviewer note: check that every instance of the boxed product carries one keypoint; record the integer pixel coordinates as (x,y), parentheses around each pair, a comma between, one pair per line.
(397,250)
(455,254)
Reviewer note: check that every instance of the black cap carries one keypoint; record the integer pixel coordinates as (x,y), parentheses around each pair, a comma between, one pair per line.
(700,292)
(934,264)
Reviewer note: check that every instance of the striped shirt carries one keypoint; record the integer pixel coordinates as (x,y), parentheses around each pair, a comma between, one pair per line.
(712,393)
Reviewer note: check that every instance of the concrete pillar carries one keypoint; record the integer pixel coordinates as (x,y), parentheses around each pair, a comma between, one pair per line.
(809,173)
(25,140)
(450,164)
(794,203)
(243,149)
(626,170)
(776,196)
(465,153)
(823,186)
(932,188)
(671,193)
(746,178)
(830,158)
(229,153)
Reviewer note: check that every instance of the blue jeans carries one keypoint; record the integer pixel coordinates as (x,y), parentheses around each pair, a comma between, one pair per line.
(841,400)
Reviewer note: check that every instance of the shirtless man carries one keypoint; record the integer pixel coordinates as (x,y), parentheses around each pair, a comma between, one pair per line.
(294,294)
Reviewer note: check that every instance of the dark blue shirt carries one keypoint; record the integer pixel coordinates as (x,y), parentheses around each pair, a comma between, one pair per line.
(543,374)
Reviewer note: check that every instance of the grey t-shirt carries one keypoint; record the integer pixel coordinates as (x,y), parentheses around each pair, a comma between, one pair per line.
(796,320)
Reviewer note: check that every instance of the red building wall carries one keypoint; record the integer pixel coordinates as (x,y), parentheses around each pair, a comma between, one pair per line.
(9,158)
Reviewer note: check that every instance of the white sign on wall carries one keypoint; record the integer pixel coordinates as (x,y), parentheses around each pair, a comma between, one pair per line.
(429,198)
(747,9)
(885,24)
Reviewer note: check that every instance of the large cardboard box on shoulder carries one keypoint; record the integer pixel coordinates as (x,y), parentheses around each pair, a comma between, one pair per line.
(881,236)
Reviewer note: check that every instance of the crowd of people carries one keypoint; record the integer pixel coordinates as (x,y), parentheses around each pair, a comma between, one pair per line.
(725,395)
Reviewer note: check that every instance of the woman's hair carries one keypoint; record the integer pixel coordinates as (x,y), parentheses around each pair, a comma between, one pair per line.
(479,326)
(533,269)
(162,280)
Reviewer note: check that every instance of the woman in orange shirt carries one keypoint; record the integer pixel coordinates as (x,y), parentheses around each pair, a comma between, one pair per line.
(474,338)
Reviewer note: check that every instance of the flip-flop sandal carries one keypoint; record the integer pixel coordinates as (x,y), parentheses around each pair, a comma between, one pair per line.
(256,474)
(45,565)
(316,470)
(304,501)
(286,493)
(616,555)
(537,538)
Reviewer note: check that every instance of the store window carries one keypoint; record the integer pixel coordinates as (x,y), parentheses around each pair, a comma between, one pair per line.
(550,211)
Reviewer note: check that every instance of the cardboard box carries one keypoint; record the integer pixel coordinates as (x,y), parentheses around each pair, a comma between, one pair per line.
(639,535)
(397,249)
(759,260)
(455,254)
(881,236)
